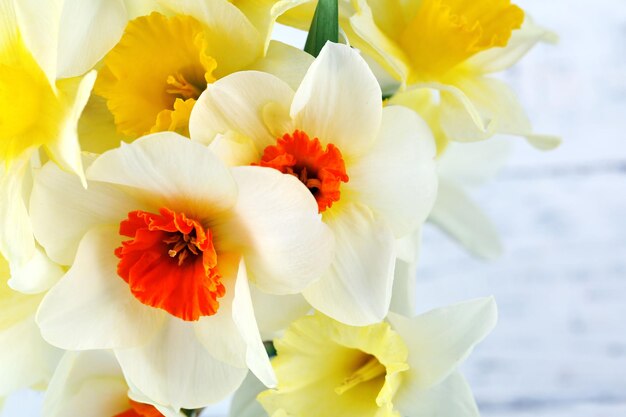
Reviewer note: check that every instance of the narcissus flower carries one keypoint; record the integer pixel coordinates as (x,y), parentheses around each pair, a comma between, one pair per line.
(447,47)
(401,367)
(161,247)
(91,383)
(371,170)
(37,111)
(151,79)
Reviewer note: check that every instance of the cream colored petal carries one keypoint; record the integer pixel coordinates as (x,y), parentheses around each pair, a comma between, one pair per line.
(92,307)
(39,24)
(241,102)
(440,340)
(376,43)
(452,397)
(522,41)
(356,290)
(25,358)
(65,149)
(286,62)
(275,312)
(404,288)
(244,403)
(339,101)
(96,128)
(89,384)
(37,275)
(243,316)
(277,228)
(495,102)
(16,234)
(175,368)
(63,211)
(170,171)
(231,348)
(235,149)
(234,42)
(397,178)
(456,214)
(88,30)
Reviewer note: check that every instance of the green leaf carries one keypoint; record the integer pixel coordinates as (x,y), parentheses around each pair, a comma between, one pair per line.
(324,27)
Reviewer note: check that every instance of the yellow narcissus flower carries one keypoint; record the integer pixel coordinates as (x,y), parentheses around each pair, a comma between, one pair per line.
(448,47)
(371,170)
(151,78)
(37,111)
(402,367)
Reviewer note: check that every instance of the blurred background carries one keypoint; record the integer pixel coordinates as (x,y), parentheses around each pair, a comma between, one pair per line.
(559,349)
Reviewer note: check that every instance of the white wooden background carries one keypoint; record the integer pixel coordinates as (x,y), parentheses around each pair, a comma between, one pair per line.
(559,349)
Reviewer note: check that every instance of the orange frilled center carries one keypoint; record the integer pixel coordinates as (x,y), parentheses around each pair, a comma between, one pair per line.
(170,263)
(321,170)
(140,410)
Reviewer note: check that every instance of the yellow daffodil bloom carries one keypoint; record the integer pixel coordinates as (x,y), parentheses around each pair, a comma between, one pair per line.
(446,47)
(401,367)
(37,111)
(163,60)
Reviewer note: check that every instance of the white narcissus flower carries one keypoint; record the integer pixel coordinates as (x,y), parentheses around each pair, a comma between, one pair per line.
(402,367)
(371,170)
(159,56)
(449,47)
(161,246)
(91,384)
(37,111)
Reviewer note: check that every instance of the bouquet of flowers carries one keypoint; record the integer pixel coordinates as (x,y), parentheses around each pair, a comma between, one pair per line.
(192,211)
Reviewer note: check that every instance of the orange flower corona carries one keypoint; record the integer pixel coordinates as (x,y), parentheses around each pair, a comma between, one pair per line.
(170,263)
(140,410)
(321,170)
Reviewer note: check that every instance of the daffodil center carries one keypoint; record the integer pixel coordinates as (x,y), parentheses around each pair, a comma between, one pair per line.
(444,33)
(139,410)
(321,170)
(369,370)
(153,76)
(170,263)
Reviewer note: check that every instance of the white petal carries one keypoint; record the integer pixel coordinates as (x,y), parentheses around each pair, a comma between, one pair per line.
(288,63)
(243,315)
(522,41)
(244,403)
(403,300)
(62,210)
(65,149)
(440,340)
(397,178)
(234,149)
(89,384)
(356,290)
(92,307)
(175,368)
(452,397)
(374,42)
(277,227)
(339,100)
(88,30)
(171,171)
(231,348)
(275,312)
(36,275)
(464,221)
(16,235)
(25,358)
(254,104)
(39,26)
